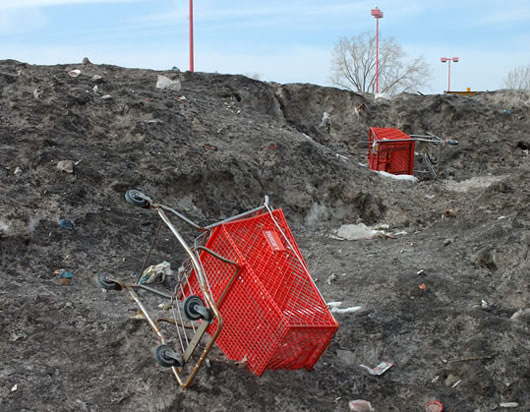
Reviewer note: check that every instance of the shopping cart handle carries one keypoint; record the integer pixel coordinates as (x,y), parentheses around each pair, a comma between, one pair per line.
(452,142)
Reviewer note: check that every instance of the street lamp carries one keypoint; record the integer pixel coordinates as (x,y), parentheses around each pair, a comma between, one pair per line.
(448,60)
(378,14)
(191,35)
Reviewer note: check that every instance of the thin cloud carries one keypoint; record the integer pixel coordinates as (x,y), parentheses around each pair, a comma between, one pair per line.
(27,4)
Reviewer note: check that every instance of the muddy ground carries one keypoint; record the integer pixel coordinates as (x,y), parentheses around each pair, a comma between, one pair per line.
(215,148)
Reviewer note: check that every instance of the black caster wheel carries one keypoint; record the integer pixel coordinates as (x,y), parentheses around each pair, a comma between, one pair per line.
(167,357)
(105,282)
(137,198)
(194,309)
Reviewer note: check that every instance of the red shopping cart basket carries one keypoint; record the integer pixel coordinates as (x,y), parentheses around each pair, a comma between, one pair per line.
(273,314)
(390,150)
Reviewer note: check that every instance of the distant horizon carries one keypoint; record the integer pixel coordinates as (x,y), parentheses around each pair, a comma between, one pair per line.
(277,42)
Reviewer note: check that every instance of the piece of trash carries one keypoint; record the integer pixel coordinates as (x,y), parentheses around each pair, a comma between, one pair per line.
(165,306)
(95,88)
(14,388)
(209,147)
(358,232)
(66,224)
(458,382)
(65,278)
(423,287)
(506,111)
(106,97)
(434,406)
(420,272)
(65,166)
(164,82)
(360,405)
(509,405)
(37,94)
(484,304)
(181,98)
(138,315)
(272,147)
(74,73)
(405,178)
(331,278)
(346,310)
(155,272)
(18,171)
(96,78)
(379,369)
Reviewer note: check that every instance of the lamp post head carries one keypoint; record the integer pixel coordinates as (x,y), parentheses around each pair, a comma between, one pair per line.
(378,14)
(455,59)
(443,59)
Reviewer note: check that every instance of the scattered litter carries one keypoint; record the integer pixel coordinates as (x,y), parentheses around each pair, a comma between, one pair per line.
(272,147)
(406,178)
(360,405)
(509,405)
(420,272)
(165,306)
(181,98)
(138,315)
(164,82)
(346,310)
(74,73)
(423,287)
(358,232)
(484,304)
(18,171)
(434,406)
(95,88)
(155,272)
(153,121)
(37,94)
(14,388)
(96,78)
(106,97)
(65,166)
(379,369)
(326,120)
(66,224)
(210,147)
(331,278)
(458,382)
(65,278)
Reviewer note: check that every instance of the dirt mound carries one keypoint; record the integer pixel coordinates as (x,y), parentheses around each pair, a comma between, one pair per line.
(213,146)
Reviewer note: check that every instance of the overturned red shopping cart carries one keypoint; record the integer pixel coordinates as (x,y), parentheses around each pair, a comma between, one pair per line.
(243,286)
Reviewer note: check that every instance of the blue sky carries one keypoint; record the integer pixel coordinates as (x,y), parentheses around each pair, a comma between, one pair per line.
(282,41)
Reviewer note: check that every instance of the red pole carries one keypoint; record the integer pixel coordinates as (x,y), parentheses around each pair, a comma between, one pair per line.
(191,35)
(376,55)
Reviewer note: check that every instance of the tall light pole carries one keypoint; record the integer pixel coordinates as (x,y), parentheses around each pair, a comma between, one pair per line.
(448,60)
(191,35)
(378,14)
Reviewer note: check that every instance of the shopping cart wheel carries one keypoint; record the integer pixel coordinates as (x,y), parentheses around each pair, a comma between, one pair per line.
(194,308)
(137,198)
(167,357)
(104,281)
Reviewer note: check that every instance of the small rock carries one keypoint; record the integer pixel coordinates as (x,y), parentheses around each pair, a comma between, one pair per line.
(164,82)
(447,242)
(37,93)
(66,166)
(14,388)
(509,405)
(360,405)
(97,78)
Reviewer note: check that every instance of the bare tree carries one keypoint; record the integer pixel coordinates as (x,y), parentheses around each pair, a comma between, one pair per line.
(353,66)
(518,78)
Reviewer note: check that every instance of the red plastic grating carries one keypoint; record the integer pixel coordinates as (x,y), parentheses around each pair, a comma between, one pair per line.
(273,314)
(390,150)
